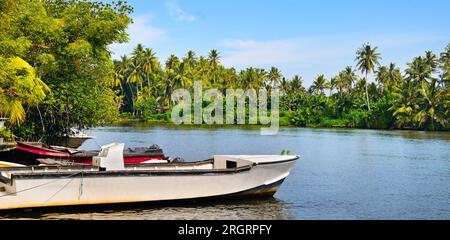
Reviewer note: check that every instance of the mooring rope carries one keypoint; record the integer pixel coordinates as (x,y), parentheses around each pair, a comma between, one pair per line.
(65,185)
(41,185)
(80,192)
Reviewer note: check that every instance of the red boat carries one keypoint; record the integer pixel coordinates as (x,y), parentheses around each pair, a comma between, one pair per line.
(29,154)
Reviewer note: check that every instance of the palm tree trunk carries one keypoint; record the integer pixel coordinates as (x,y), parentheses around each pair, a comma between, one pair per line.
(367,93)
(132,98)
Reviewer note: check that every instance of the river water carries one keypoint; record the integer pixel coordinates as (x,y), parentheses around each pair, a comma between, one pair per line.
(342,174)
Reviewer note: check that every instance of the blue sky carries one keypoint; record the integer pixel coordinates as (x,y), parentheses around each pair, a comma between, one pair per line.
(299,37)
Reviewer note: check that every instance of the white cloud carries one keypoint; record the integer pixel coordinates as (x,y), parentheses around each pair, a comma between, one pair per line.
(178,13)
(141,31)
(300,52)
(311,56)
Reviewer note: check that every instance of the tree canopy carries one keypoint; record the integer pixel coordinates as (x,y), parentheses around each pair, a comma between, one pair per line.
(65,44)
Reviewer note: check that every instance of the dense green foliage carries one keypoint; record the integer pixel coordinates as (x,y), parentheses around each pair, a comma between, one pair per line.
(57,73)
(58,66)
(415,99)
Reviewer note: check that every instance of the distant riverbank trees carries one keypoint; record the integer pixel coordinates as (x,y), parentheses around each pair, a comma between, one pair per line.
(417,98)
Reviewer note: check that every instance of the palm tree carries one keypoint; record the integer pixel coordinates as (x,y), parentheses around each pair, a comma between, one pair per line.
(150,66)
(182,77)
(214,58)
(138,51)
(284,86)
(252,78)
(120,73)
(135,71)
(419,71)
(394,75)
(349,77)
(172,62)
(381,75)
(319,84)
(340,82)
(214,62)
(367,57)
(432,108)
(190,59)
(297,85)
(333,84)
(274,76)
(445,65)
(405,103)
(229,78)
(431,60)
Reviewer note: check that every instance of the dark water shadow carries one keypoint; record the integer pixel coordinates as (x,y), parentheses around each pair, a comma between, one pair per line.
(255,209)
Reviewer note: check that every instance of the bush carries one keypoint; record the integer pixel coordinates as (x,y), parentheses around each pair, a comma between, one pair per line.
(379,116)
(301,118)
(6,134)
(148,107)
(356,118)
(330,122)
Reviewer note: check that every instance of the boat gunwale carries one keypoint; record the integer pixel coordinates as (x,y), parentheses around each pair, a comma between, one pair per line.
(39,150)
(64,171)
(88,166)
(280,161)
(129,173)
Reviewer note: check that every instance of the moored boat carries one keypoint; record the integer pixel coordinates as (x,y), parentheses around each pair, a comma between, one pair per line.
(109,180)
(28,154)
(75,139)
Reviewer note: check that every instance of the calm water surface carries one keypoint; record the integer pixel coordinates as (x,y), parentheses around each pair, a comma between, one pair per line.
(342,174)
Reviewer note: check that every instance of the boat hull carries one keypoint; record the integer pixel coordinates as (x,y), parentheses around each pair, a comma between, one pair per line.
(84,188)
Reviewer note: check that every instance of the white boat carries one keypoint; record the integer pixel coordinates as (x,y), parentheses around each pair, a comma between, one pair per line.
(75,139)
(109,181)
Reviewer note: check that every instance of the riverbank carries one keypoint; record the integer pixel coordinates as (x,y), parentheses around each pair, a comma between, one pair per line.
(168,123)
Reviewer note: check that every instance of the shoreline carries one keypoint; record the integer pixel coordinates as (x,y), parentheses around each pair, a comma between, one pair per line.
(256,126)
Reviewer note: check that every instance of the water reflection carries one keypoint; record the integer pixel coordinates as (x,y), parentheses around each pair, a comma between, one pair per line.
(263,209)
(342,173)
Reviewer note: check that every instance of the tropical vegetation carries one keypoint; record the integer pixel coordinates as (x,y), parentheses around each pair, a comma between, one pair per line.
(57,73)
(417,98)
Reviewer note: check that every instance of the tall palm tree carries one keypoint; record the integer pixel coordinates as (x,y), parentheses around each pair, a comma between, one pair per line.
(367,57)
